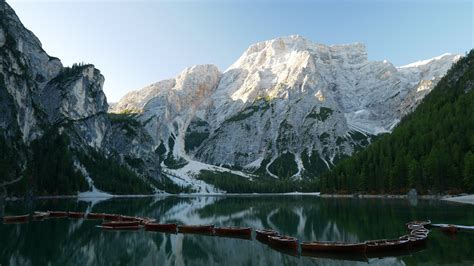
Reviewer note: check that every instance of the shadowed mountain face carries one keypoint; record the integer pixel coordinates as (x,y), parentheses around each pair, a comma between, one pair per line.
(286,99)
(54,126)
(65,241)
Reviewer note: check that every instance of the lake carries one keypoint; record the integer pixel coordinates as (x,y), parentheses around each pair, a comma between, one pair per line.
(80,242)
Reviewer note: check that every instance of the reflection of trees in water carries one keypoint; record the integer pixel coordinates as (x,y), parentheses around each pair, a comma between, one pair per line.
(2,202)
(65,241)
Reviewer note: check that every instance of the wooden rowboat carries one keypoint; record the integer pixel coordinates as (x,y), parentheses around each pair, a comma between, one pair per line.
(234,231)
(16,219)
(112,217)
(120,224)
(130,218)
(161,227)
(385,245)
(57,214)
(285,242)
(145,220)
(75,215)
(335,247)
(263,234)
(95,216)
(39,216)
(198,229)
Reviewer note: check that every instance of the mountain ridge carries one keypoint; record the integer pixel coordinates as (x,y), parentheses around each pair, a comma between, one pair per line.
(293,87)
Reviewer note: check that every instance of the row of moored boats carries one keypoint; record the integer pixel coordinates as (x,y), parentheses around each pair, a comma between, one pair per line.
(417,233)
(416,237)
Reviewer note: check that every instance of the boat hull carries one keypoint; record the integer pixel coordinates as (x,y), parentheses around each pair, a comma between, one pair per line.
(16,219)
(334,247)
(112,217)
(196,229)
(95,216)
(40,216)
(383,245)
(283,242)
(57,214)
(262,235)
(243,232)
(171,228)
(75,215)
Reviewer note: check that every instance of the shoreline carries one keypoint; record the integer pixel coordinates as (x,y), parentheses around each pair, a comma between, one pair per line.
(163,195)
(380,196)
(464,199)
(455,198)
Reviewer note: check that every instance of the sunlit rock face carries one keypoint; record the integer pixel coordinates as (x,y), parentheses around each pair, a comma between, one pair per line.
(285,99)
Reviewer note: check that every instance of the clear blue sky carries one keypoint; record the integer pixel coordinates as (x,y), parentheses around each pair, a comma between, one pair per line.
(135,43)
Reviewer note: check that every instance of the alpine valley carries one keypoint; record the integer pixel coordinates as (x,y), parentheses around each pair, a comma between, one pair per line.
(287,111)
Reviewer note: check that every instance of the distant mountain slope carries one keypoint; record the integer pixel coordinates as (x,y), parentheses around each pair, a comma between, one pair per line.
(432,149)
(287,108)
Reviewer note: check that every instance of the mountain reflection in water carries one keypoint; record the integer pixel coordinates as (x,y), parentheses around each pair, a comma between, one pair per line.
(79,242)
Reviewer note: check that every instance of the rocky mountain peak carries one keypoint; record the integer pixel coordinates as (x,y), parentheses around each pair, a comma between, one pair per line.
(285,103)
(285,50)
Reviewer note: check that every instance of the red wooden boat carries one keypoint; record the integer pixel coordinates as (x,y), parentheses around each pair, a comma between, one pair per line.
(198,229)
(385,245)
(145,220)
(335,247)
(39,216)
(75,215)
(130,218)
(121,228)
(120,224)
(112,217)
(57,214)
(161,227)
(233,231)
(16,219)
(95,216)
(285,242)
(263,234)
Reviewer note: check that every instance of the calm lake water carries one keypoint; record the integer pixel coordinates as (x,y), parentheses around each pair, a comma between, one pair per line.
(79,242)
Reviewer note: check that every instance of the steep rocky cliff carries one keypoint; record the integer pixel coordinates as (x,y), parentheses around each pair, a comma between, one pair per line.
(54,121)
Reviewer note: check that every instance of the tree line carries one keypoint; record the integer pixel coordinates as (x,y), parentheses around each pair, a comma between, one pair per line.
(431,150)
